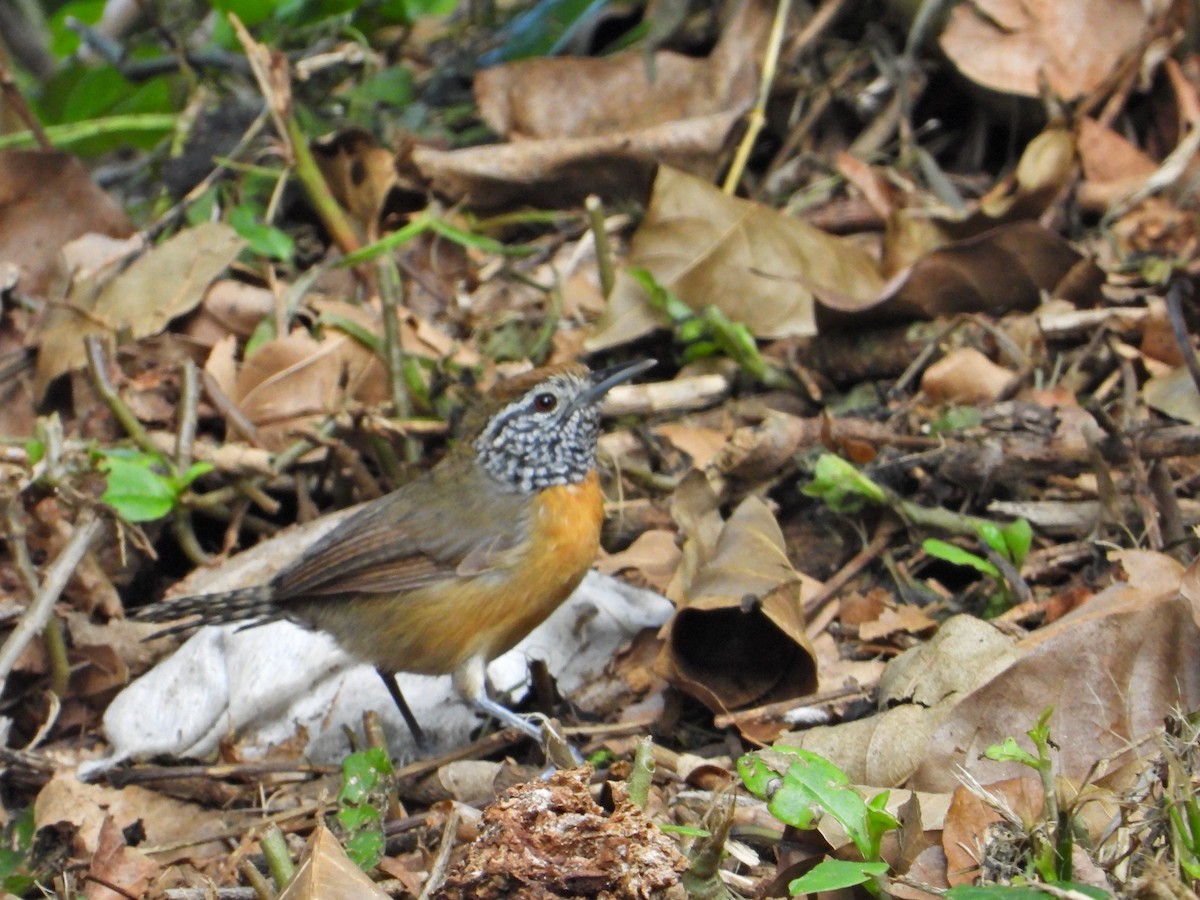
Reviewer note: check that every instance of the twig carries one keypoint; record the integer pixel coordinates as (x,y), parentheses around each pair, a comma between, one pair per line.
(38,614)
(279,861)
(234,417)
(16,102)
(604,255)
(271,73)
(437,872)
(1178,292)
(181,520)
(98,370)
(391,299)
(18,549)
(641,776)
(757,117)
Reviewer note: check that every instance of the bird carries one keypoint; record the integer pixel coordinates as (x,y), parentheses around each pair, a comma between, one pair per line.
(456,567)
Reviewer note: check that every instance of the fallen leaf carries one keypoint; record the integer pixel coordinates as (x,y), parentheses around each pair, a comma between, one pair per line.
(46,200)
(738,634)
(117,871)
(964,375)
(594,96)
(326,872)
(1008,45)
(654,555)
(1112,669)
(164,820)
(165,282)
(756,265)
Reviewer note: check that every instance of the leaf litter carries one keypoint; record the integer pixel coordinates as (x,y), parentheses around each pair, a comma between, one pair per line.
(994,330)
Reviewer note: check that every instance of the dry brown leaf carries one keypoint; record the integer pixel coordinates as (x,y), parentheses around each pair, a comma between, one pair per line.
(561,172)
(229,308)
(46,200)
(738,636)
(165,821)
(359,173)
(902,619)
(969,819)
(289,382)
(1112,166)
(1174,395)
(327,873)
(918,691)
(756,265)
(1113,669)
(590,97)
(1045,169)
(1002,270)
(1009,45)
(654,555)
(964,375)
(165,282)
(117,871)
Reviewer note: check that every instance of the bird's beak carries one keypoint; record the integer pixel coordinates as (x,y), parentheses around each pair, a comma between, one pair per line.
(604,380)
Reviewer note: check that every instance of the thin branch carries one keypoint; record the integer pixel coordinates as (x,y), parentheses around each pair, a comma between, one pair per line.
(40,610)
(98,370)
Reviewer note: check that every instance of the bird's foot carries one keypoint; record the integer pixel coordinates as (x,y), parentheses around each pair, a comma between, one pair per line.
(559,752)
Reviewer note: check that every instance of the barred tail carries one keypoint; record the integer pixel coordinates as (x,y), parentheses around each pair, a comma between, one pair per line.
(252,605)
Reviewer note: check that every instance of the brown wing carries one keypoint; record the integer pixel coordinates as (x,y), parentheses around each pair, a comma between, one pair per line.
(410,539)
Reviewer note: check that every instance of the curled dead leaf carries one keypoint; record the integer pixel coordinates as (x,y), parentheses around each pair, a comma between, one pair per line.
(738,635)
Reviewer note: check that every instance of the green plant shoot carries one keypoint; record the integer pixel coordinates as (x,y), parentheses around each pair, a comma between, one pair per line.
(811,787)
(142,487)
(361,800)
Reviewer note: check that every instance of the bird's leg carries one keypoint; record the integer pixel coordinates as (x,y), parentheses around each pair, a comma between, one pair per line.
(389,680)
(470,681)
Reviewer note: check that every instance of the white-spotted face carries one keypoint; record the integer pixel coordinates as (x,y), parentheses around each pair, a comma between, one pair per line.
(546,437)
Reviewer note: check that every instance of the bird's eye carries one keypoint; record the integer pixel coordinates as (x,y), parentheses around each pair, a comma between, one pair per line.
(545,402)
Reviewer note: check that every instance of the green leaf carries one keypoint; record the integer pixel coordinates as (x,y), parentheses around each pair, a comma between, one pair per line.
(265,240)
(134,489)
(64,41)
(833,874)
(1010,751)
(759,778)
(666,302)
(365,848)
(879,822)
(355,818)
(958,418)
(361,774)
(263,332)
(195,470)
(952,553)
(841,486)
(812,784)
(1021,891)
(15,848)
(392,86)
(992,536)
(1018,537)
(364,336)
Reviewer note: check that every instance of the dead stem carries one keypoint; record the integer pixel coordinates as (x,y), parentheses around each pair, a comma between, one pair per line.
(42,606)
(181,520)
(102,384)
(437,872)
